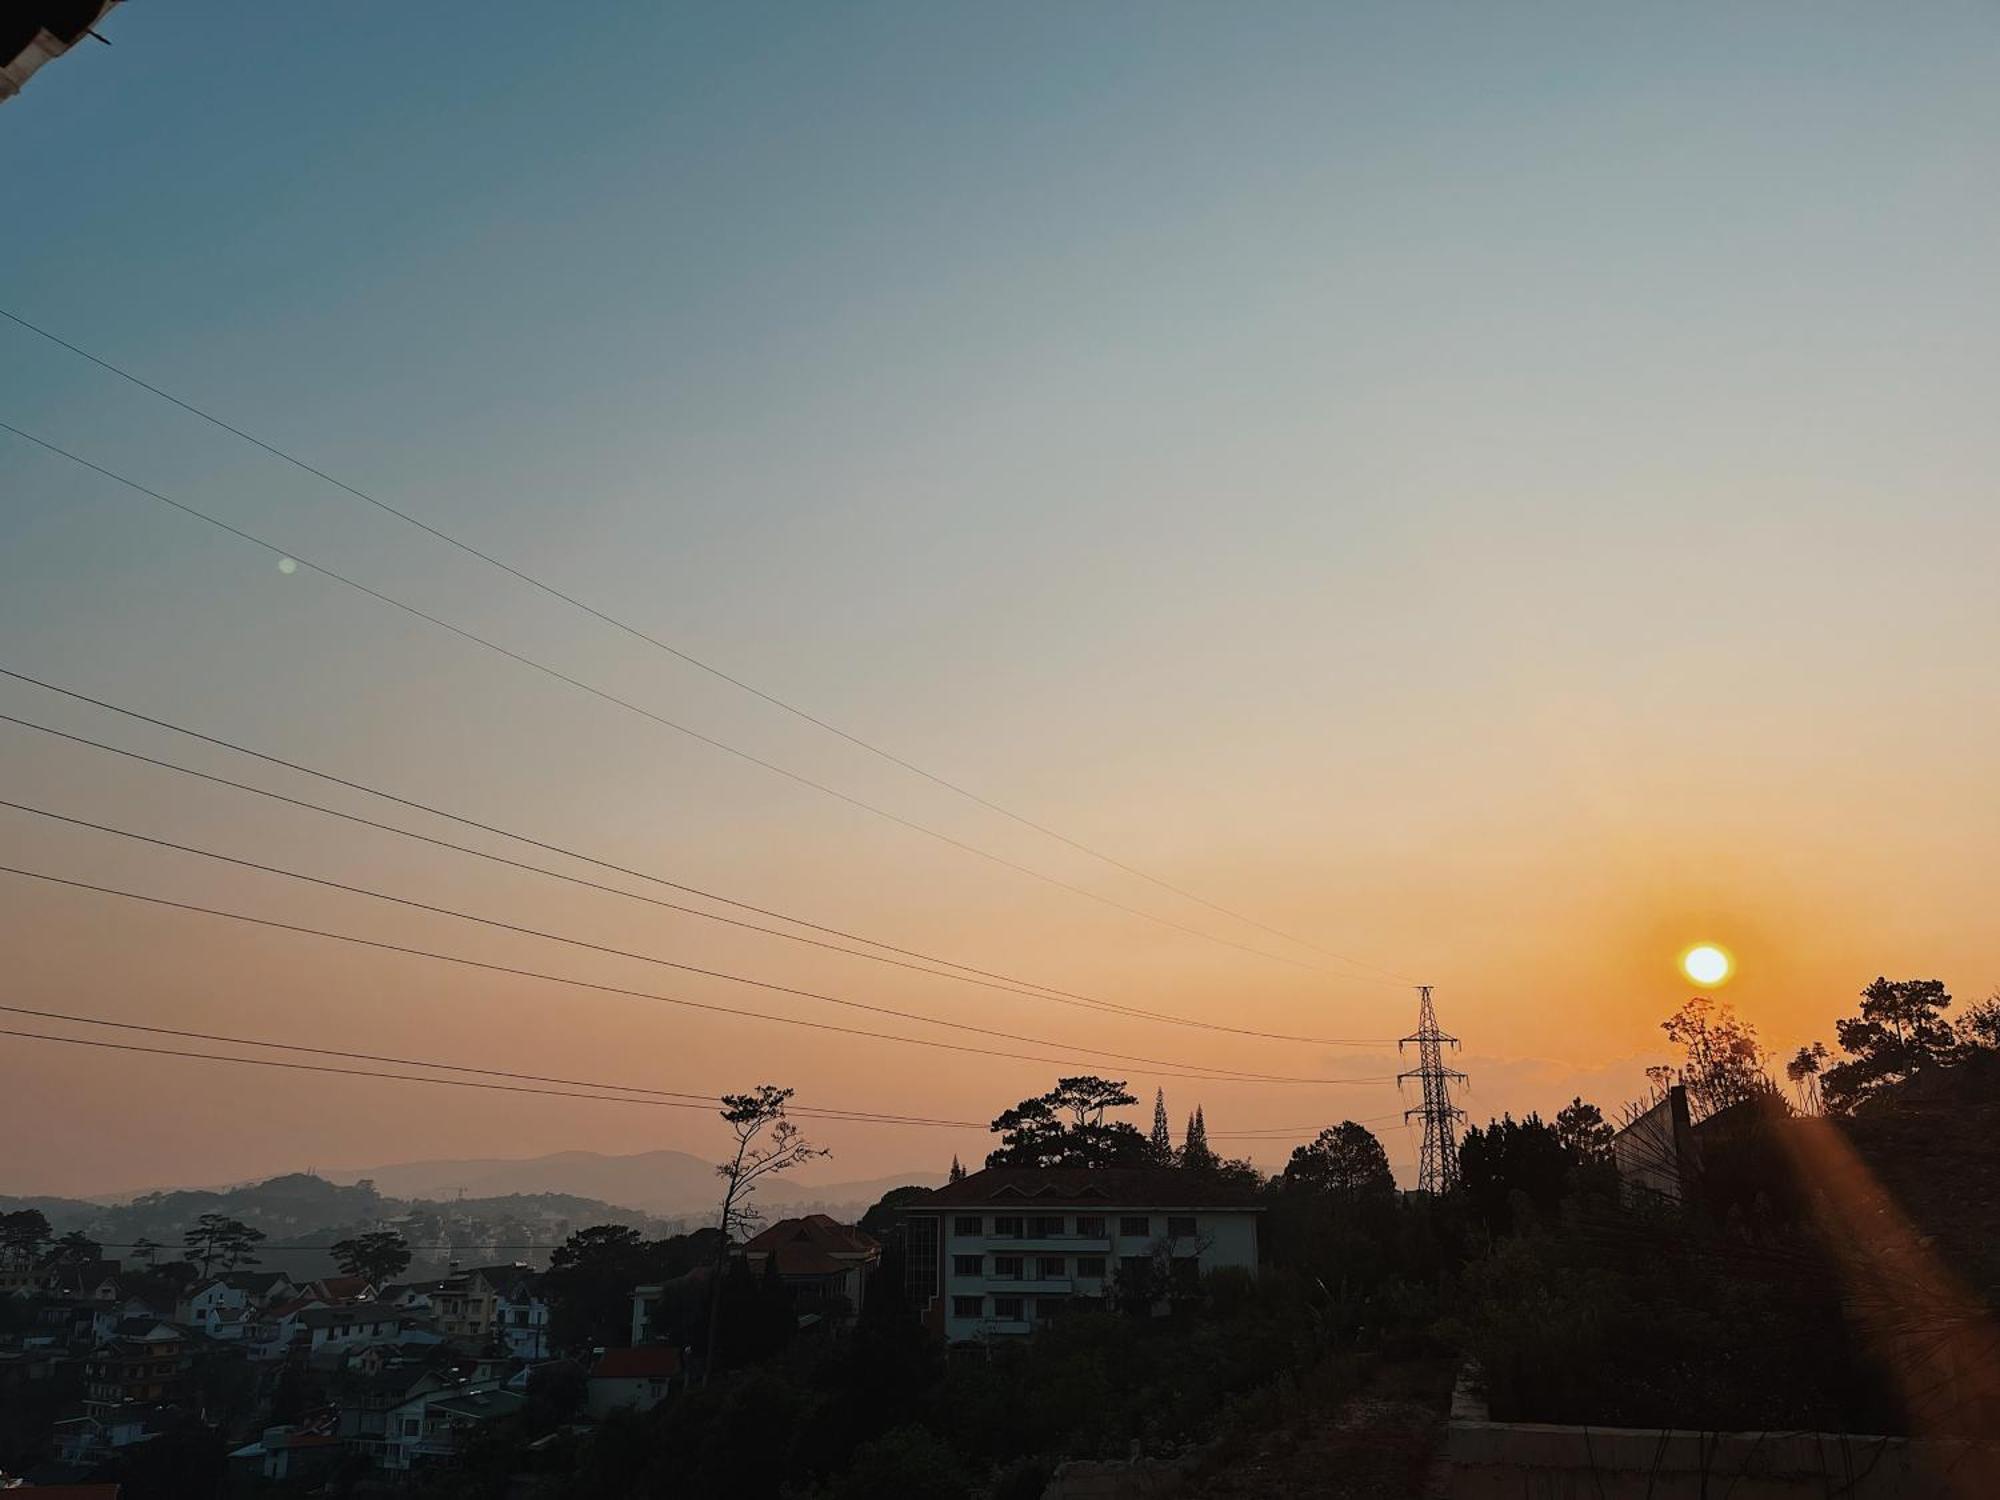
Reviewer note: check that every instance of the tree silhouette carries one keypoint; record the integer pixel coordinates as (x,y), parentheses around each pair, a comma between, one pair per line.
(757,1155)
(957,1173)
(1725,1061)
(1066,1128)
(1196,1154)
(1162,1140)
(377,1256)
(1900,1030)
(1344,1161)
(1584,1133)
(216,1239)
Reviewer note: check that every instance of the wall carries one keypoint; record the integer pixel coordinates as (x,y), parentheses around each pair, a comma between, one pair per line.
(1486,1460)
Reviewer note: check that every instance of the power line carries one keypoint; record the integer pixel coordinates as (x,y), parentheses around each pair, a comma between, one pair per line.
(627,704)
(672,1098)
(982,978)
(694,661)
(457,1083)
(846,1002)
(612,989)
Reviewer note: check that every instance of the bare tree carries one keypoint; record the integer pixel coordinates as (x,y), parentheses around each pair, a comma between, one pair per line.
(758,1154)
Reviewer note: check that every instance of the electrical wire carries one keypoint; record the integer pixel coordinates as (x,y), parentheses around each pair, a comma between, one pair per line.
(627,704)
(682,1097)
(459,1083)
(688,657)
(1241,1075)
(984,979)
(612,989)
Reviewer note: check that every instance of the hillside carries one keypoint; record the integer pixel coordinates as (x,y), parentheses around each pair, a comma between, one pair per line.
(671,1184)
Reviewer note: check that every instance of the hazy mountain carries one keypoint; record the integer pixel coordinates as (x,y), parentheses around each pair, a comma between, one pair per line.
(665,1183)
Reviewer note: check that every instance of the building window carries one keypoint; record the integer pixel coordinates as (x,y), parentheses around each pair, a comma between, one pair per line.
(1008,1310)
(1041,1228)
(1007,1227)
(921,1261)
(1090,1268)
(1007,1267)
(967,1307)
(1180,1226)
(968,1224)
(1052,1268)
(1135,1227)
(968,1265)
(1090,1226)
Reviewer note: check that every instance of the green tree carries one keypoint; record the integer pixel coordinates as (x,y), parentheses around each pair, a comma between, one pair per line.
(1161,1142)
(1066,1128)
(378,1256)
(1901,1029)
(1584,1133)
(1344,1161)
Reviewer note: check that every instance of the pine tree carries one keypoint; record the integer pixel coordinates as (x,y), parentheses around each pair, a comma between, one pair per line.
(957,1170)
(1195,1153)
(1162,1143)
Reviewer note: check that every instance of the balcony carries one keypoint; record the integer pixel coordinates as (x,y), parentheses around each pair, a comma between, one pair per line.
(1029,1244)
(1051,1286)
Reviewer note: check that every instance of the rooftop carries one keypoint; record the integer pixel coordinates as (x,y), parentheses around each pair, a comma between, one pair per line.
(644,1362)
(1088,1187)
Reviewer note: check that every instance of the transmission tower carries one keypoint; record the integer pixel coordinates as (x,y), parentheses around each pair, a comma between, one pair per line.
(1437,1170)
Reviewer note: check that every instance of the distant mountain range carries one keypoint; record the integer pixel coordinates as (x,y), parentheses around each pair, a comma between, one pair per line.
(666,1184)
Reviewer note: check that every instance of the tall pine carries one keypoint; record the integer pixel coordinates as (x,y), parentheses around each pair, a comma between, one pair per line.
(957,1171)
(1195,1153)
(1162,1143)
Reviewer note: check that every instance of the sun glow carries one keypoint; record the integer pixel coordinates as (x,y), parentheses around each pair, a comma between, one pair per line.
(1706,964)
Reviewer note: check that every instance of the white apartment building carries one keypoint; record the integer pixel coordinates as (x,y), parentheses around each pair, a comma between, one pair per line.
(1002,1250)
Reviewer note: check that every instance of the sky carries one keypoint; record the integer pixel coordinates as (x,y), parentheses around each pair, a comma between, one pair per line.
(1498,495)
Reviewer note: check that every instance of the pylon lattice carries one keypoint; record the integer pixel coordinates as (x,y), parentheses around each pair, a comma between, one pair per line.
(1437,1166)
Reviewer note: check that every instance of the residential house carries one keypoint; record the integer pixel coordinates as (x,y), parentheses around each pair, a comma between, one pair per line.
(1001,1250)
(521,1315)
(430,1428)
(638,1379)
(304,1453)
(351,1324)
(225,1307)
(86,1441)
(824,1262)
(276,1327)
(334,1290)
(145,1361)
(465,1303)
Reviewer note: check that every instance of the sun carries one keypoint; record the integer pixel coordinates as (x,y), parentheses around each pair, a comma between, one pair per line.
(1706,964)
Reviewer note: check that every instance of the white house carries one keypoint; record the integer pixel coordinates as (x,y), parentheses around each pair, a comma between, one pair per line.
(1003,1249)
(353,1324)
(521,1318)
(638,1379)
